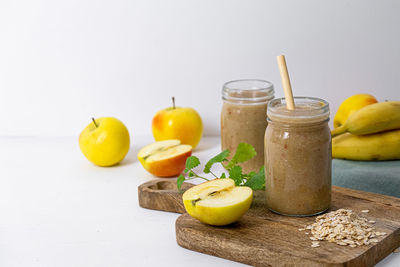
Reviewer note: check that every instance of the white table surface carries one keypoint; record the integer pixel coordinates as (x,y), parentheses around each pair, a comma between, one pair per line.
(57,209)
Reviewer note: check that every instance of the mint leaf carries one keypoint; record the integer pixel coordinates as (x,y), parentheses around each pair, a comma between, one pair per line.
(257,182)
(191,162)
(244,152)
(250,174)
(236,174)
(180,181)
(218,158)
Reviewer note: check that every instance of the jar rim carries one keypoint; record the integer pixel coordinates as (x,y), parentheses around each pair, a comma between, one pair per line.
(257,90)
(309,109)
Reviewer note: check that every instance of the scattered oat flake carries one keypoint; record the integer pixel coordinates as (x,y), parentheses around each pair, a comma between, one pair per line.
(342,227)
(302,229)
(380,233)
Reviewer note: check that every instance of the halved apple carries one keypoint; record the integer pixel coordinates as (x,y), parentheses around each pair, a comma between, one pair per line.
(165,158)
(218,202)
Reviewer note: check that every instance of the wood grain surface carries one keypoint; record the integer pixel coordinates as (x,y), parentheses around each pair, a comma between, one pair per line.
(162,195)
(262,238)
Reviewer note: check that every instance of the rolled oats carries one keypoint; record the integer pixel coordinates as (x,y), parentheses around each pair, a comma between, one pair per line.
(315,244)
(344,228)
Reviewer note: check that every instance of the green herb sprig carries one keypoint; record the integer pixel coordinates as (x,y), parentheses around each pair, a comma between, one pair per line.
(244,152)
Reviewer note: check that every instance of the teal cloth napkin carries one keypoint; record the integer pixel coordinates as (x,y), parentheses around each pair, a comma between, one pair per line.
(381,177)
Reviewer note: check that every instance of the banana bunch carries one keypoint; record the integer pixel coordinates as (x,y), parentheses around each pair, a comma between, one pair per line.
(369,133)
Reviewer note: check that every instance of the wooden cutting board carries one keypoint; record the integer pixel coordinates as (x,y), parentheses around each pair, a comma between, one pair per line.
(262,238)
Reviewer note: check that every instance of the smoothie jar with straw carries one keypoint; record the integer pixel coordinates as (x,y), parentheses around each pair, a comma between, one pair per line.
(298,153)
(298,157)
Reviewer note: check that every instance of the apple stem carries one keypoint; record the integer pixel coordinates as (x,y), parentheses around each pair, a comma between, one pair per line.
(95,124)
(173,102)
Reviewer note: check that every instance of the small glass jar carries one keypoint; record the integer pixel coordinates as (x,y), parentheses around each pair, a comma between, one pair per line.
(243,117)
(298,157)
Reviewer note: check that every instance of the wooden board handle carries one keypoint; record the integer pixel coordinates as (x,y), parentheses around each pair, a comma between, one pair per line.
(162,195)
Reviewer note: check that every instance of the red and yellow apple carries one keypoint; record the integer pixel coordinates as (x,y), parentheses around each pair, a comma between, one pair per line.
(351,104)
(165,158)
(184,124)
(105,141)
(217,202)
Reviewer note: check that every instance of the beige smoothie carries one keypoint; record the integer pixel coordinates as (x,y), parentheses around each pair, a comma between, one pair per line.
(243,118)
(298,157)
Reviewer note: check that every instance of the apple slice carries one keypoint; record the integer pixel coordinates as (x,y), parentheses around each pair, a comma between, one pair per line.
(218,202)
(165,158)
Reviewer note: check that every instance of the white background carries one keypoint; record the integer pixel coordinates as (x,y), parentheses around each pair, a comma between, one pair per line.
(62,62)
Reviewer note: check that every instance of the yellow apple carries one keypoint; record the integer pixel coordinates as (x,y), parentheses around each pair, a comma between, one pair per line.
(351,104)
(165,158)
(105,141)
(184,124)
(217,202)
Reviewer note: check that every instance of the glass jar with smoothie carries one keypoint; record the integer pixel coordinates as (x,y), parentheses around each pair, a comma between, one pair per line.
(298,157)
(243,117)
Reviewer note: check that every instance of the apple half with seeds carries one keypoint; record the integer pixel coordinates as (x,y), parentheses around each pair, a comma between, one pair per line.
(218,202)
(165,158)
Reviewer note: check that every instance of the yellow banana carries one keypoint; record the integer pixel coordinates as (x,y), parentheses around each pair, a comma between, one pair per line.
(350,105)
(379,146)
(373,118)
